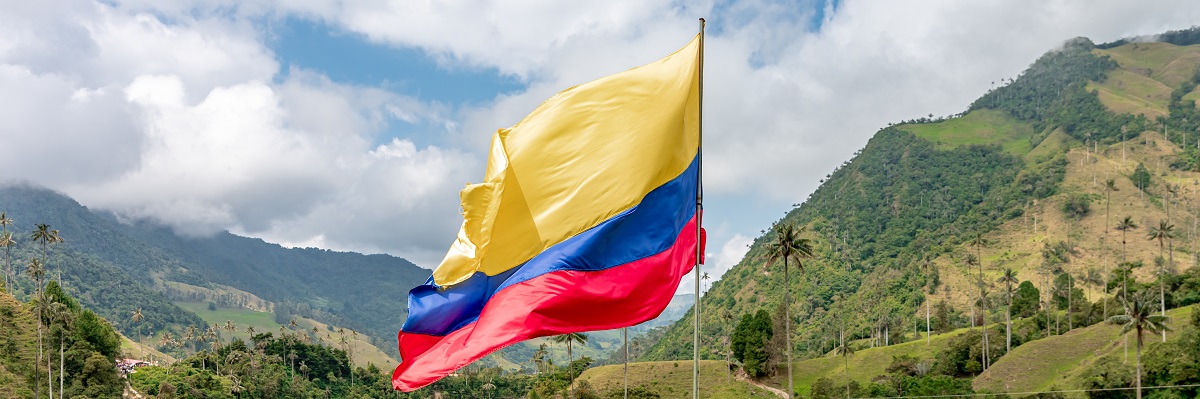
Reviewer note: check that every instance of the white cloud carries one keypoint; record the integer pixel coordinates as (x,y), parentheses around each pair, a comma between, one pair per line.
(187,123)
(177,110)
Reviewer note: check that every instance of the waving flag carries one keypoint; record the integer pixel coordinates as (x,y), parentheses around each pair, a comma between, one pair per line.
(586,220)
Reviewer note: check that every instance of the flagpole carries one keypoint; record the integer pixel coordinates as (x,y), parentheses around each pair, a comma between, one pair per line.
(699,219)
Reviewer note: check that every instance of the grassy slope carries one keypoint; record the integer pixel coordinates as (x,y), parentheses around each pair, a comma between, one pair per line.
(673,379)
(865,364)
(20,329)
(979,127)
(1060,361)
(262,322)
(1148,72)
(138,350)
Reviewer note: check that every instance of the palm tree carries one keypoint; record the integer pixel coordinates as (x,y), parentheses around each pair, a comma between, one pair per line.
(1008,278)
(36,272)
(844,350)
(971,261)
(1161,232)
(568,339)
(137,318)
(539,357)
(7,242)
(57,239)
(60,313)
(167,340)
(926,265)
(979,242)
(788,244)
(42,233)
(1110,185)
(1139,316)
(625,338)
(1124,226)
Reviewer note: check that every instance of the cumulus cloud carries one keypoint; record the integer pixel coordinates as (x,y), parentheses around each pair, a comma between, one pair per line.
(179,112)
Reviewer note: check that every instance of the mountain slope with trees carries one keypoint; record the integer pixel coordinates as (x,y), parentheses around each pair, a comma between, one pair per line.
(933,212)
(117,267)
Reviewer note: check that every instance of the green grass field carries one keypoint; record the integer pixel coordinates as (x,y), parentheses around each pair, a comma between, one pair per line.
(1164,62)
(364,352)
(1128,92)
(1060,361)
(977,127)
(865,364)
(673,379)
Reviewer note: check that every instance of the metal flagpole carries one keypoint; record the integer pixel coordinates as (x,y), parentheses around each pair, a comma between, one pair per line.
(699,218)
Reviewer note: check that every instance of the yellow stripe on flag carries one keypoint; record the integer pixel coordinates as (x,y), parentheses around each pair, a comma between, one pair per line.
(582,157)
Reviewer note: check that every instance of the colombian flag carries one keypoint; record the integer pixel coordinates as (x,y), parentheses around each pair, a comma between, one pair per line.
(586,220)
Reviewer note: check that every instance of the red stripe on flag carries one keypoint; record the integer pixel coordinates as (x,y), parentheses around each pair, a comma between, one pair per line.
(554,303)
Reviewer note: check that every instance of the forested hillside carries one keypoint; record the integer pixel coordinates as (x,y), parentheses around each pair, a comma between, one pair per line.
(117,267)
(934,213)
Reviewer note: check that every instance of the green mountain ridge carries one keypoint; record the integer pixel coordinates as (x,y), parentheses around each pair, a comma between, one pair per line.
(123,261)
(892,227)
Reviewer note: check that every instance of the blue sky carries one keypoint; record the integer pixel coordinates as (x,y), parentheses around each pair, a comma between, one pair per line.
(352,126)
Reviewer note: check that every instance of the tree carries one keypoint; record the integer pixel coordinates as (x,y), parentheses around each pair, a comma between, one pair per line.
(978,241)
(42,233)
(1008,278)
(61,314)
(844,350)
(1026,300)
(137,318)
(1109,186)
(1140,177)
(7,242)
(926,265)
(749,341)
(539,357)
(788,244)
(36,272)
(568,339)
(1139,316)
(1124,226)
(1161,232)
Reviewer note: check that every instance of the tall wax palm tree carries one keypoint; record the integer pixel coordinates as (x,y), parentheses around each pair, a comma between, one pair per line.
(1124,226)
(568,339)
(1008,278)
(7,242)
(971,261)
(61,314)
(844,350)
(927,265)
(979,242)
(1164,231)
(55,238)
(788,244)
(625,338)
(41,233)
(1139,316)
(137,318)
(36,272)
(1110,185)
(539,357)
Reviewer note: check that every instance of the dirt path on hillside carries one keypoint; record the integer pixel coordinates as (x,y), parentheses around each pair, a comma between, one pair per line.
(131,393)
(778,392)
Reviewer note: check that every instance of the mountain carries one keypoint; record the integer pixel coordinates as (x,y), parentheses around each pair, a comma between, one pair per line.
(1023,169)
(116,267)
